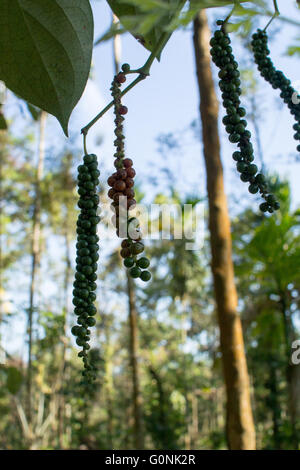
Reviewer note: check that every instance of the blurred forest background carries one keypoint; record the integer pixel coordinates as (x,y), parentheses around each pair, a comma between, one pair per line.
(160,382)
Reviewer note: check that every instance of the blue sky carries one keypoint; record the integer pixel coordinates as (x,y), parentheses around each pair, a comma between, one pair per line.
(167,102)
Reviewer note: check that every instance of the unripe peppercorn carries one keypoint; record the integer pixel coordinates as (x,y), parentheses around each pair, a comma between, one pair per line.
(135,272)
(125,68)
(275,77)
(229,84)
(145,276)
(87,248)
(128,262)
(143,263)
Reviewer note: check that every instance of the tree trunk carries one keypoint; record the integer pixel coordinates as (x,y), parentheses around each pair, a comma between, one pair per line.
(108,384)
(240,426)
(67,231)
(274,403)
(133,352)
(163,418)
(35,253)
(292,371)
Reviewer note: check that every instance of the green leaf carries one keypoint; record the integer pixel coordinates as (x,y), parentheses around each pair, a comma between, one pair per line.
(34,111)
(200,4)
(147,21)
(14,380)
(293,50)
(46,48)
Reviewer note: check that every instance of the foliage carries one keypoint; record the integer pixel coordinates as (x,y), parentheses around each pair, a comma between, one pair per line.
(57,36)
(50,44)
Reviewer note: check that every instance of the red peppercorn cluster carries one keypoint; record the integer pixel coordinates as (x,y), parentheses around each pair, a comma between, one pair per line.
(121,191)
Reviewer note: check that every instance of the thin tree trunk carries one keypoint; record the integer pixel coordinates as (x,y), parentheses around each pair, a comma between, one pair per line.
(273,400)
(109,384)
(240,426)
(67,231)
(117,46)
(292,374)
(195,420)
(35,253)
(62,371)
(133,351)
(163,419)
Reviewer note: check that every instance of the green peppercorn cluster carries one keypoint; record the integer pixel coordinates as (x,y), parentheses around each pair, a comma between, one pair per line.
(121,190)
(276,78)
(235,125)
(87,248)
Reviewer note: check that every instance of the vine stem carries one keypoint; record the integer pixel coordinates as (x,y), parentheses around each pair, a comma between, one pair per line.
(276,13)
(85,129)
(230,14)
(84,145)
(143,72)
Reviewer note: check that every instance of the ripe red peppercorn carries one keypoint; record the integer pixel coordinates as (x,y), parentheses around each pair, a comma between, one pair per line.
(123,110)
(131,172)
(117,196)
(121,78)
(121,174)
(111,193)
(127,162)
(129,182)
(120,185)
(111,181)
(129,193)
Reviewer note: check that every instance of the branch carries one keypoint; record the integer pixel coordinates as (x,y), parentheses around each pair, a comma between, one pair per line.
(143,73)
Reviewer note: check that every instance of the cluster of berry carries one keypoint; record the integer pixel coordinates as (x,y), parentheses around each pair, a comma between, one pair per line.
(86,261)
(121,184)
(276,78)
(235,125)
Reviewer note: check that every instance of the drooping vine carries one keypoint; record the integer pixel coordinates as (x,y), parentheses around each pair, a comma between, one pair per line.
(235,125)
(276,78)
(86,260)
(122,192)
